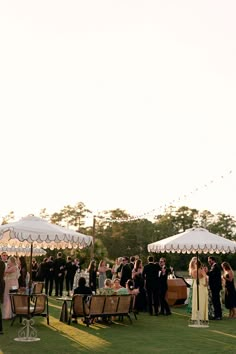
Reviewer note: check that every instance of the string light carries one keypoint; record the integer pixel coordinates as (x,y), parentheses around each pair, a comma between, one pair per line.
(161,208)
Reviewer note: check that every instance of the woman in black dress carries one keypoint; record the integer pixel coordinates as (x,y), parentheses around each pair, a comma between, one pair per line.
(34,269)
(22,280)
(230,293)
(140,302)
(92,269)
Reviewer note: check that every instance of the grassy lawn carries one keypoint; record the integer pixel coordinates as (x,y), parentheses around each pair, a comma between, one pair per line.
(149,334)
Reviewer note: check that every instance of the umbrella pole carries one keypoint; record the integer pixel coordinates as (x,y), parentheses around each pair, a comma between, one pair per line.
(30,269)
(197,285)
(198,314)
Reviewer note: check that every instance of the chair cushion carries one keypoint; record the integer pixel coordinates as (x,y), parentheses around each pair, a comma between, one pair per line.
(23,310)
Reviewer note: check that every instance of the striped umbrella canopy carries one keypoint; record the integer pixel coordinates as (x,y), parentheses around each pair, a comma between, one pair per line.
(32,231)
(22,251)
(195,240)
(39,232)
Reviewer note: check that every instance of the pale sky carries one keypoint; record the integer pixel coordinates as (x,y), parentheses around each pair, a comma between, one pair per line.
(117,104)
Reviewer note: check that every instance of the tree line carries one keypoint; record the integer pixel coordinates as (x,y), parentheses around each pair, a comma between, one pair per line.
(116,233)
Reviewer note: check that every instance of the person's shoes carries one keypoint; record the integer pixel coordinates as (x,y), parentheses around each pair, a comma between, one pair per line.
(74,321)
(161,313)
(99,320)
(1,332)
(168,313)
(218,318)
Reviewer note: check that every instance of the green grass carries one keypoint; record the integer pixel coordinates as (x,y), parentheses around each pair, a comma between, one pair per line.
(149,334)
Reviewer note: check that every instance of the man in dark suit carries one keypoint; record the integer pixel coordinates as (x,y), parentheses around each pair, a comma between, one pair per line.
(70,273)
(152,283)
(59,273)
(163,275)
(4,258)
(49,276)
(126,272)
(2,286)
(132,261)
(215,285)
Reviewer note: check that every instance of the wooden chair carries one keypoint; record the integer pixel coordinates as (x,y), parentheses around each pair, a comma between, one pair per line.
(23,306)
(37,288)
(132,306)
(110,306)
(79,307)
(123,308)
(40,306)
(96,307)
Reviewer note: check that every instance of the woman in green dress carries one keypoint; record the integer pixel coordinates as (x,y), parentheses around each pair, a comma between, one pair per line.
(191,267)
(199,294)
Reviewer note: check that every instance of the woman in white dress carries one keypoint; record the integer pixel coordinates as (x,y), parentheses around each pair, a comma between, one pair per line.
(102,269)
(116,267)
(11,276)
(191,267)
(200,294)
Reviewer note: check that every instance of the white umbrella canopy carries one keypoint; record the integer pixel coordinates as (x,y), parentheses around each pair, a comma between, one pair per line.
(33,230)
(22,251)
(195,240)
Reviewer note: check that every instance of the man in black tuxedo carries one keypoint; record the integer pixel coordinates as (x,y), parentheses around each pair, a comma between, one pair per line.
(49,276)
(152,283)
(59,273)
(132,261)
(126,272)
(163,274)
(70,273)
(215,285)
(4,258)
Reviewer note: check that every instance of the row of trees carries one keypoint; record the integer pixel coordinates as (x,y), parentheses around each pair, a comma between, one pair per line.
(117,233)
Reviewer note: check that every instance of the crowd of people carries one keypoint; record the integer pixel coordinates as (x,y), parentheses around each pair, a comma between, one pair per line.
(13,273)
(205,301)
(126,276)
(13,276)
(129,276)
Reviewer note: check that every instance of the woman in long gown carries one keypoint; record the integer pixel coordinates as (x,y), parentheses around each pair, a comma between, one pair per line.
(11,281)
(140,301)
(199,295)
(102,275)
(23,272)
(34,269)
(192,266)
(92,270)
(230,293)
(115,268)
